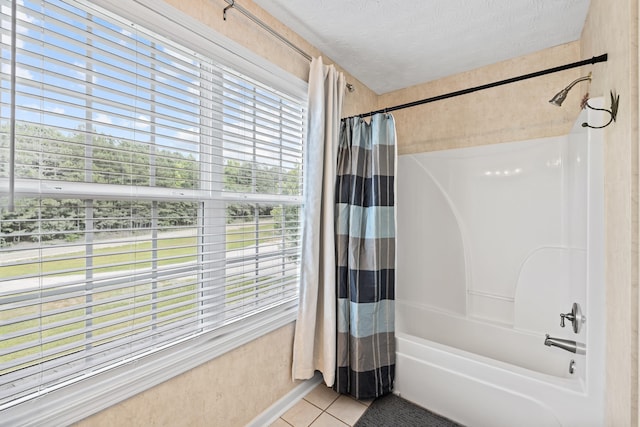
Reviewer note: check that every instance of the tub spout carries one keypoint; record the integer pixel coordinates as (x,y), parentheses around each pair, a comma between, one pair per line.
(572,346)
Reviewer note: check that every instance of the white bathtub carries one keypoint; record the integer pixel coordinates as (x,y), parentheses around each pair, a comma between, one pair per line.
(464,381)
(493,244)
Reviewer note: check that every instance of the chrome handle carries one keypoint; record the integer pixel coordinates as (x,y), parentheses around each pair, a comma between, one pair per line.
(569,316)
(575,317)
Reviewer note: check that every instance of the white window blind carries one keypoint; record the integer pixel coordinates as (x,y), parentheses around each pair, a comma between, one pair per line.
(157,195)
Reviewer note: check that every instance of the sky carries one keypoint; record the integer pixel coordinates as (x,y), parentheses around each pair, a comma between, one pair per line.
(136,86)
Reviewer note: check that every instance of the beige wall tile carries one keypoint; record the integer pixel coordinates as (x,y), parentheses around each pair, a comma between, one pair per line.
(612,27)
(230,390)
(510,112)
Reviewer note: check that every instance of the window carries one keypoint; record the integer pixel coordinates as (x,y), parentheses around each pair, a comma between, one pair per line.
(150,194)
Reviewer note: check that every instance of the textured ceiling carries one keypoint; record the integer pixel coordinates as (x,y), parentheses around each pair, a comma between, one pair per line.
(393,44)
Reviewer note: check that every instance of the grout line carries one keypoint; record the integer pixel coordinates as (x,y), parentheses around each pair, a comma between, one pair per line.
(316,418)
(323,411)
(342,421)
(311,403)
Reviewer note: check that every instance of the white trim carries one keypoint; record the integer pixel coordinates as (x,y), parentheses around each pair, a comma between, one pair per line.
(26,187)
(273,412)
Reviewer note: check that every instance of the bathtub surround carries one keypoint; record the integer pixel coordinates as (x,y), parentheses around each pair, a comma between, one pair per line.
(524,113)
(495,244)
(315,338)
(366,256)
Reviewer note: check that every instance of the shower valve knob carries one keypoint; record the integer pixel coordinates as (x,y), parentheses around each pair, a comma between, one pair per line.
(575,317)
(569,316)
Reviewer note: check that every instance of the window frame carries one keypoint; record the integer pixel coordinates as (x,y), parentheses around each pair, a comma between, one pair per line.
(70,403)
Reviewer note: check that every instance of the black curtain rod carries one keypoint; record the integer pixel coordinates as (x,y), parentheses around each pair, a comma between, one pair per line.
(595,59)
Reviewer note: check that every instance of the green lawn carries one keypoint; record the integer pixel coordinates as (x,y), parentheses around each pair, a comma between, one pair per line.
(170,251)
(138,306)
(117,258)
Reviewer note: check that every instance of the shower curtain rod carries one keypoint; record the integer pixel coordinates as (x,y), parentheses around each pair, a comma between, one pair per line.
(232,5)
(593,60)
(256,20)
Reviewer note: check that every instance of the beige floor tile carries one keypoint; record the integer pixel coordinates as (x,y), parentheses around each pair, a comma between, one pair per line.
(302,414)
(347,409)
(280,423)
(367,402)
(326,420)
(322,396)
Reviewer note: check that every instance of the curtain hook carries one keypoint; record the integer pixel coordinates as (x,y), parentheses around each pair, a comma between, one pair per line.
(224,11)
(613,111)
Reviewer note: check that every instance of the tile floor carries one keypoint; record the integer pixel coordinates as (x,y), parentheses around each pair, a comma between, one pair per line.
(323,407)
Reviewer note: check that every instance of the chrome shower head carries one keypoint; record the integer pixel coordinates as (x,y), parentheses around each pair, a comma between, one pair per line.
(559,97)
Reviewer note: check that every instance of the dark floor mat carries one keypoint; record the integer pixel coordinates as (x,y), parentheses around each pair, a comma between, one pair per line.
(393,411)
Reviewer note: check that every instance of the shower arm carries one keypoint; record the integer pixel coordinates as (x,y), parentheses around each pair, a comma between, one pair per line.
(559,97)
(573,83)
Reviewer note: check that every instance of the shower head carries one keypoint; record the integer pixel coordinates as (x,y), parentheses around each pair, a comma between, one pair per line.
(559,97)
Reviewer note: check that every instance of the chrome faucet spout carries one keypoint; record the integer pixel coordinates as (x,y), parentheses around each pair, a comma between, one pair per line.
(568,345)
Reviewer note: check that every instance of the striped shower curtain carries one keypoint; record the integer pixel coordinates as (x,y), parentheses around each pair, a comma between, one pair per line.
(365,250)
